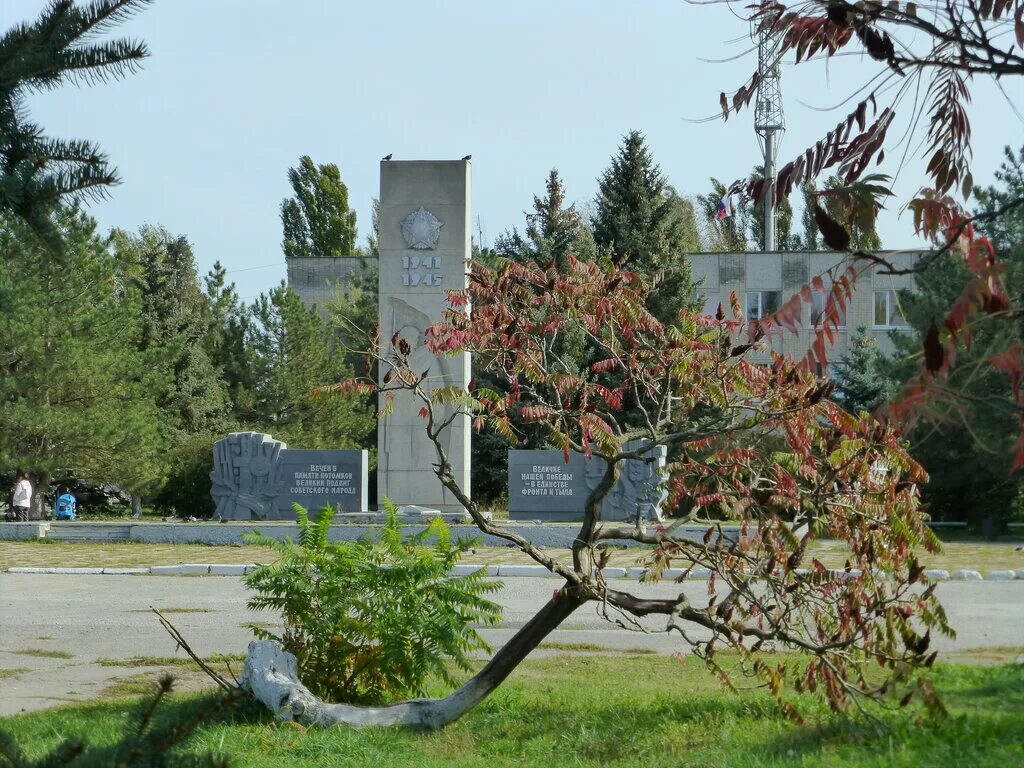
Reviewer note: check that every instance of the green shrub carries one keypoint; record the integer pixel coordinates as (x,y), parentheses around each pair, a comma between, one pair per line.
(186,491)
(369,621)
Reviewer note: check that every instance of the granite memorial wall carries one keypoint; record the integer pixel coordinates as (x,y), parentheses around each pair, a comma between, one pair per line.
(543,486)
(256,477)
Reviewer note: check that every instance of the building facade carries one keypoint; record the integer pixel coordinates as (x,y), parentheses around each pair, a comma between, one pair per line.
(317,280)
(762,282)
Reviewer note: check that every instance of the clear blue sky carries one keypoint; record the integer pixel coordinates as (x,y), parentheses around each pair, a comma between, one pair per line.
(235,92)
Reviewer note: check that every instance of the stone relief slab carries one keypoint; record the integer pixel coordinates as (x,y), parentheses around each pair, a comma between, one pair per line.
(543,486)
(256,477)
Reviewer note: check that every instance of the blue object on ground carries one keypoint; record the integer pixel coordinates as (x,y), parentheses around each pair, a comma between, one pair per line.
(66,507)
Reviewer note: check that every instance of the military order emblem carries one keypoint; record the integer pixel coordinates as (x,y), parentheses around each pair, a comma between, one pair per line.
(421,230)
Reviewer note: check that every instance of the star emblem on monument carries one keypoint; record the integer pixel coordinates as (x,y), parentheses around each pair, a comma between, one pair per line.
(421,229)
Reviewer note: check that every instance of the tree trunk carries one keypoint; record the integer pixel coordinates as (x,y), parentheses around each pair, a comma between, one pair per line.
(37,510)
(271,675)
(136,505)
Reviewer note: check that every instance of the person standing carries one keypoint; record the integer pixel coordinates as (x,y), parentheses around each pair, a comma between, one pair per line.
(22,499)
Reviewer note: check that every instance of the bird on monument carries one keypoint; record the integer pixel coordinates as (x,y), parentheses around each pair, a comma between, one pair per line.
(387,156)
(468,157)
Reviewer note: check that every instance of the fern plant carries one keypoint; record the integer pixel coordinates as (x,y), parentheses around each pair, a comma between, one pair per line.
(372,620)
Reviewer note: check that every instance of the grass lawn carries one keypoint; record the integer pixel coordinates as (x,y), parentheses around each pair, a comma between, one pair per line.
(605,711)
(986,556)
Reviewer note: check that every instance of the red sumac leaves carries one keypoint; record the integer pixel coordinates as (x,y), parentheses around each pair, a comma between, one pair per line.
(832,232)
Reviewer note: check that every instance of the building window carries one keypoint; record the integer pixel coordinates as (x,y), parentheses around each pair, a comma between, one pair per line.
(887,311)
(762,303)
(819,300)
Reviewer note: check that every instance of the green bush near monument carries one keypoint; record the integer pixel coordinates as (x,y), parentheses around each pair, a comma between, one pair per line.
(369,620)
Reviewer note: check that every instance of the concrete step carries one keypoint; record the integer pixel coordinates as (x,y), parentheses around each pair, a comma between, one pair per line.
(88,532)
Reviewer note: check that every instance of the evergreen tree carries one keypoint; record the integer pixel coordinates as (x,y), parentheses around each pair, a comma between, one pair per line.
(293,354)
(863,377)
(965,440)
(639,220)
(78,394)
(175,319)
(554,230)
(59,47)
(317,220)
(229,323)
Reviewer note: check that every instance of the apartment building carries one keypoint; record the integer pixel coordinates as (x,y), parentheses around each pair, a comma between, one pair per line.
(764,281)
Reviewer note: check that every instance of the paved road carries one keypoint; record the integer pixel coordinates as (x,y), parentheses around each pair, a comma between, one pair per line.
(94,617)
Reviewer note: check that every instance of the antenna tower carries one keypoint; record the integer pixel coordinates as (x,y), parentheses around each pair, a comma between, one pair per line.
(769,120)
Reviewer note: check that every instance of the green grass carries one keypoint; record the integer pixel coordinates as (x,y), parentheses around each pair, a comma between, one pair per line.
(135,685)
(592,648)
(43,553)
(43,653)
(603,710)
(167,661)
(6,673)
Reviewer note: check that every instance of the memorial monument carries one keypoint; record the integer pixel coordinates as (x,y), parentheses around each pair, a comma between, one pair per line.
(256,477)
(424,247)
(543,486)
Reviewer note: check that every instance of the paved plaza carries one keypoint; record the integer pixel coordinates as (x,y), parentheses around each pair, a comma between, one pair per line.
(103,617)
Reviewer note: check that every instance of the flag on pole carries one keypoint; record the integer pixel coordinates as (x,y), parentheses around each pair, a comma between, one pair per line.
(724,208)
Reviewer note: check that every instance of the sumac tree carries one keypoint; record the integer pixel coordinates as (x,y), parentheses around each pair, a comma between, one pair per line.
(926,57)
(763,442)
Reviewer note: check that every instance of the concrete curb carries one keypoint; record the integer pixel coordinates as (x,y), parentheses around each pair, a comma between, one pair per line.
(966,574)
(501,571)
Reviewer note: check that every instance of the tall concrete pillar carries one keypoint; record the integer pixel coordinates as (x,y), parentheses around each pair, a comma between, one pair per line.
(424,248)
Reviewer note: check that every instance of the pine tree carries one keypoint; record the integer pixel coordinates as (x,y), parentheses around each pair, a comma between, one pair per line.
(293,354)
(229,323)
(639,220)
(554,230)
(59,47)
(175,316)
(77,394)
(317,220)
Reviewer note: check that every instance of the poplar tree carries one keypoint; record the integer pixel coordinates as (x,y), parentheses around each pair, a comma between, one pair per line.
(293,355)
(317,220)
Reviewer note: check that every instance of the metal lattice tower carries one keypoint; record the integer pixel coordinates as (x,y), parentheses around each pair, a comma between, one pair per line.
(769,120)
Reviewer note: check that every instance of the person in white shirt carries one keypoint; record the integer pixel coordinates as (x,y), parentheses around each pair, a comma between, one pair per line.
(22,498)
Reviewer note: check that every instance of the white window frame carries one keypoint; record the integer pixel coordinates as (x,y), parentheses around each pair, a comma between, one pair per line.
(760,303)
(891,311)
(817,314)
